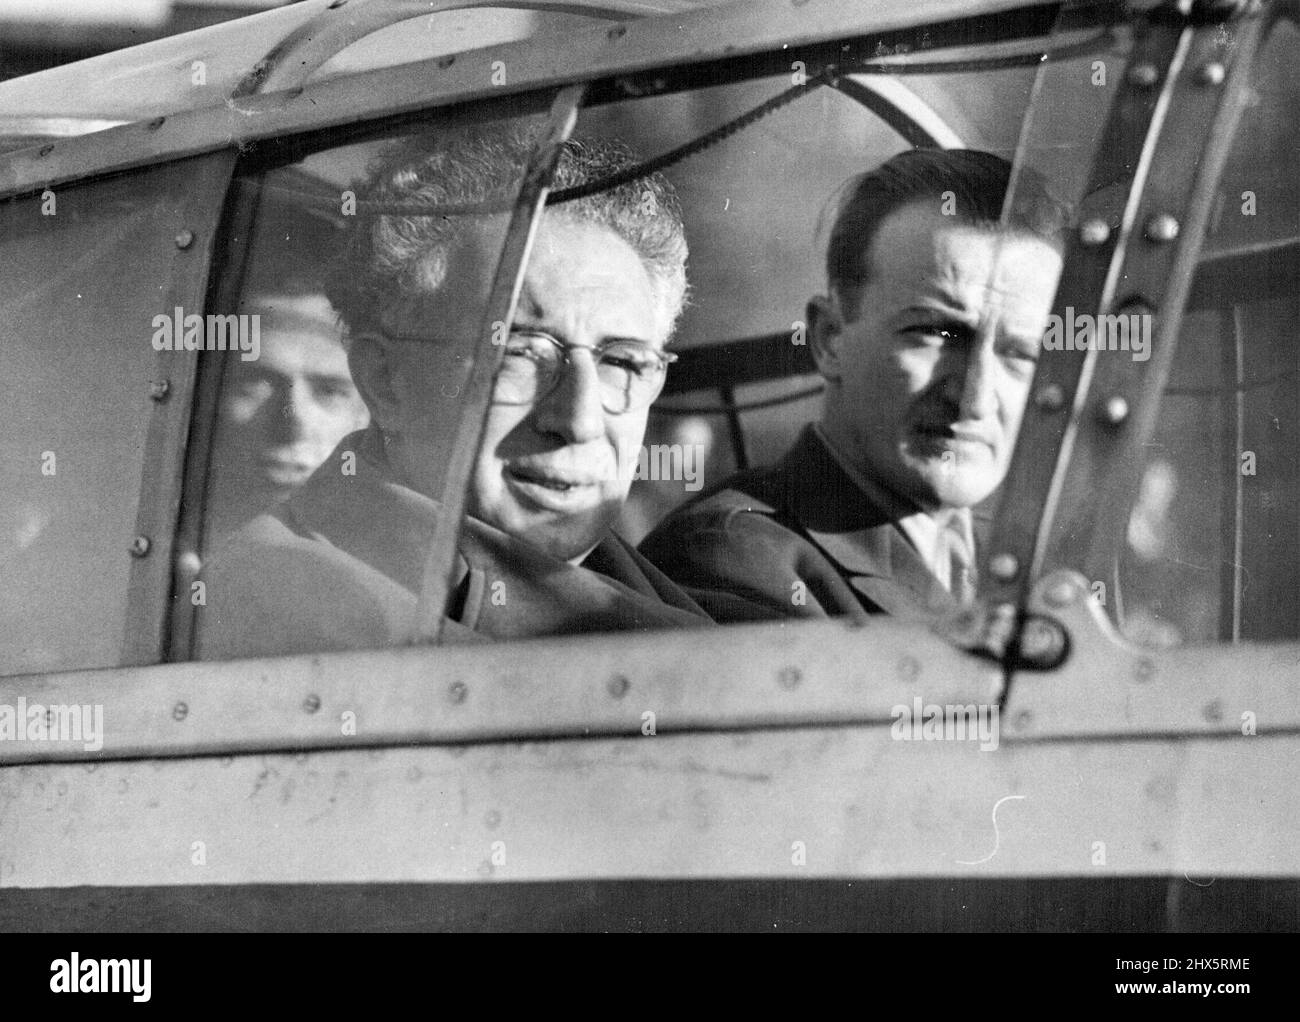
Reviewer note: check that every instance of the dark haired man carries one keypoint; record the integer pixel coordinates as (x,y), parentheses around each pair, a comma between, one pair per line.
(340,564)
(927,338)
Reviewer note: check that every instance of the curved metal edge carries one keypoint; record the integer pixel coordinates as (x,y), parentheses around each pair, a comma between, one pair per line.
(902,109)
(305,50)
(1110,686)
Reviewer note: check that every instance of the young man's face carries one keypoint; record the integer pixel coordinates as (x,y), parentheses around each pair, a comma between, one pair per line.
(930,378)
(552,473)
(283,413)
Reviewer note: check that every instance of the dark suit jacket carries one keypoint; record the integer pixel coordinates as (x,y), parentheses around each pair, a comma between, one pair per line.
(339,566)
(797,539)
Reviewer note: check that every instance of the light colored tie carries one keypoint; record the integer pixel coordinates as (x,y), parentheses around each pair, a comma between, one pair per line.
(961,560)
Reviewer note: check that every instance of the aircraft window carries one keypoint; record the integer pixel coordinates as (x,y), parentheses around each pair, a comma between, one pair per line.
(356,330)
(760,211)
(1211,553)
(340,563)
(83,268)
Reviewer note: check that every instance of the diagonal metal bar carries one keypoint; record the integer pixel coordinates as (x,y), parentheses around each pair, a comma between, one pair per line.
(468,433)
(1050,424)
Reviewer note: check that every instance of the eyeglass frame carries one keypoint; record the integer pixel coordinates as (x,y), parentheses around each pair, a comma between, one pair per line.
(664,358)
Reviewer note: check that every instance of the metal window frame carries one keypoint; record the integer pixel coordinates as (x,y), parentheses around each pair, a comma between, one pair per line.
(153,548)
(1072,453)
(642,57)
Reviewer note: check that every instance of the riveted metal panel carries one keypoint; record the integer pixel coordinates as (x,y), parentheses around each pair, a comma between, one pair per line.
(189,232)
(818,802)
(747,676)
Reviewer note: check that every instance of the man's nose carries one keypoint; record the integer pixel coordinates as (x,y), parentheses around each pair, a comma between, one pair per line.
(973,383)
(295,410)
(573,409)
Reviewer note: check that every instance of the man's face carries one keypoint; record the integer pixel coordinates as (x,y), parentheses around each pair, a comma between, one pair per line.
(550,473)
(285,412)
(935,369)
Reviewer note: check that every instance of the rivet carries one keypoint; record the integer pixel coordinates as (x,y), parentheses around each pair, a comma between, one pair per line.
(1143,75)
(180,711)
(312,703)
(156,123)
(1212,73)
(189,563)
(1004,567)
(789,677)
(618,685)
(1042,642)
(457,692)
(1161,228)
(140,546)
(1050,398)
(1114,411)
(159,389)
(1062,593)
(185,239)
(1094,232)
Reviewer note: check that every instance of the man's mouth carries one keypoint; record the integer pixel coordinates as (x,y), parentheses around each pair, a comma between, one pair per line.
(560,482)
(953,434)
(281,469)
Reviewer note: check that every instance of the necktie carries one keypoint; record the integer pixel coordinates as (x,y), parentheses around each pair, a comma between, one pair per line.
(961,560)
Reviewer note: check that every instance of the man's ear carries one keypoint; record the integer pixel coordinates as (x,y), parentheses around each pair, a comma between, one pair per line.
(372,364)
(825,333)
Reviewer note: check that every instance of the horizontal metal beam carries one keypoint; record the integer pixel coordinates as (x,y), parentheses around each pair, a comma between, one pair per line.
(833,802)
(743,677)
(739,678)
(701,37)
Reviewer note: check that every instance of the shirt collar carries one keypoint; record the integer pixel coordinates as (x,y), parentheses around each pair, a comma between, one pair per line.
(924,530)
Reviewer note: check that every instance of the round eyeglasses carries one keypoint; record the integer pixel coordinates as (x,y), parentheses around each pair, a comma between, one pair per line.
(630,373)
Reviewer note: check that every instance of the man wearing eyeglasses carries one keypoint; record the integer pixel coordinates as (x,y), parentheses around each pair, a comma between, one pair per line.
(340,565)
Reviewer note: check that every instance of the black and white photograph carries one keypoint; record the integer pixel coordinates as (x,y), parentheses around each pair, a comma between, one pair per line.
(651,466)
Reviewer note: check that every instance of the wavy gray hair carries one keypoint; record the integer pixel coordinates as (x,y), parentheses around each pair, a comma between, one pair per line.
(390,254)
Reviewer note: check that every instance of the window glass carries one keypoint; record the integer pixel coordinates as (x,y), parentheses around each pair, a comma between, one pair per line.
(1211,551)
(357,285)
(629,386)
(84,270)
(826,518)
